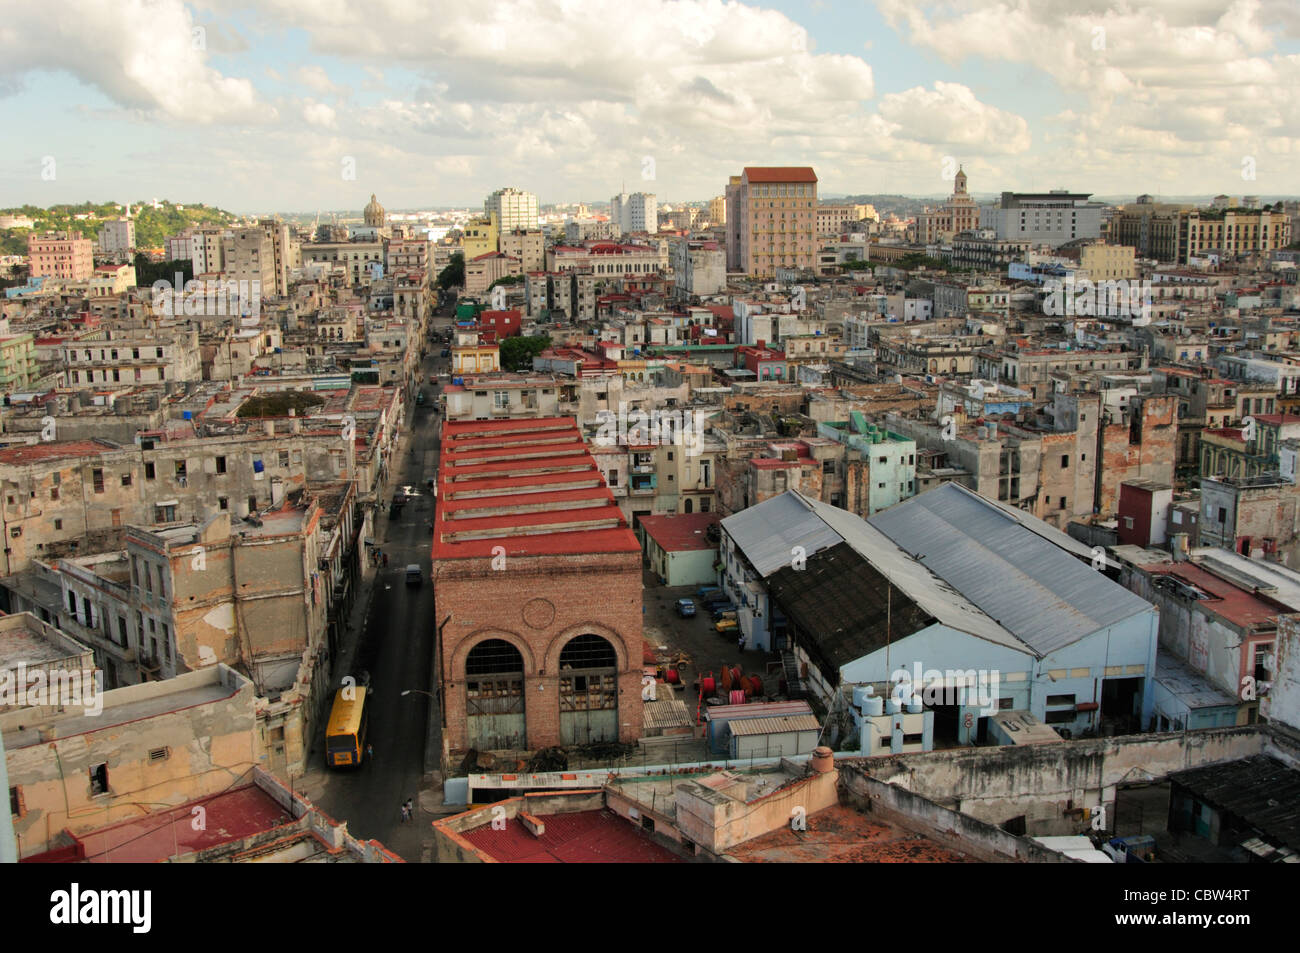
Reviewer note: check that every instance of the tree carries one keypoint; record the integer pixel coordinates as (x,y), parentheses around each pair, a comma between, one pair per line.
(454,274)
(147,272)
(517,353)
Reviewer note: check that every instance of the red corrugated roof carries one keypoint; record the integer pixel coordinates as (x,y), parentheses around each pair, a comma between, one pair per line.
(783,173)
(531,486)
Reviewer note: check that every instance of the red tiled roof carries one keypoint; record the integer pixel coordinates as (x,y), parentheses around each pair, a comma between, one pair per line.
(583,837)
(784,173)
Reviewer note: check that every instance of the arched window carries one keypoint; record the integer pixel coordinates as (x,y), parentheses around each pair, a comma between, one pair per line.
(494,696)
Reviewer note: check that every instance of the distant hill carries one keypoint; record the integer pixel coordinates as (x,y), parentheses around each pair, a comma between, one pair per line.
(152,225)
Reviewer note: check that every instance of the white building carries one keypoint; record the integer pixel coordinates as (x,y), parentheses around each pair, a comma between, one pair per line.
(117,236)
(638,212)
(513,209)
(1049,218)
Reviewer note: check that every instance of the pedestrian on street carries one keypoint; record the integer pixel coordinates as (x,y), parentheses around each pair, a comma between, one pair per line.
(370,752)
(409,807)
(740,642)
(385,560)
(405,814)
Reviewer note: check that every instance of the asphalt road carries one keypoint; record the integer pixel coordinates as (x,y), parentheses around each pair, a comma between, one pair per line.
(395,644)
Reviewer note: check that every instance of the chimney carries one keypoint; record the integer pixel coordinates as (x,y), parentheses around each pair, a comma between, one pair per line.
(823,760)
(1178,546)
(534,825)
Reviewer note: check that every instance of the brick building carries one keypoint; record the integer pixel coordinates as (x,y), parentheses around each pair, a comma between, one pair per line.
(538,578)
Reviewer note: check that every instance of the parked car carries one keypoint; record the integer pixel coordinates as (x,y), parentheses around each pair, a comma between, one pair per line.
(686,608)
(726,625)
(706,592)
(722,609)
(414,575)
(446,352)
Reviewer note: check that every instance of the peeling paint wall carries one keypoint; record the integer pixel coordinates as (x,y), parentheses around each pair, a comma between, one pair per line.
(198,748)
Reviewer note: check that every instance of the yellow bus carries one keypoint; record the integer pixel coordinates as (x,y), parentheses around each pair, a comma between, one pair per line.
(345,736)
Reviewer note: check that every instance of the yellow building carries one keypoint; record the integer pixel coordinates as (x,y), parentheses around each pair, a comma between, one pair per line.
(1103,262)
(481,237)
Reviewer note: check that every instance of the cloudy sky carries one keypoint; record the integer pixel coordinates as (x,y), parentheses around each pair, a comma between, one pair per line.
(282,105)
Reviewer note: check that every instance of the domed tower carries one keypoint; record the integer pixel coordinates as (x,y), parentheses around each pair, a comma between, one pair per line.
(959,183)
(374,213)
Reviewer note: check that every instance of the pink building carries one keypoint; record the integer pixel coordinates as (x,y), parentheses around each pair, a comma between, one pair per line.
(772,219)
(61,255)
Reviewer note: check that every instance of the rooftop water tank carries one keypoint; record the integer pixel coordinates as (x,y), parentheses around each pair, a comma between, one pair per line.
(875,705)
(914,705)
(893,707)
(860,695)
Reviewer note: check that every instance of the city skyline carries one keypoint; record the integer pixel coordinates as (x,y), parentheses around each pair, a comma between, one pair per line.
(250,112)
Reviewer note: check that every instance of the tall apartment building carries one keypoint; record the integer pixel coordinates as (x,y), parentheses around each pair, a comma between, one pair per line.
(638,212)
(249,255)
(1048,218)
(526,244)
(286,253)
(772,219)
(513,208)
(699,268)
(207,250)
(61,255)
(718,210)
(117,236)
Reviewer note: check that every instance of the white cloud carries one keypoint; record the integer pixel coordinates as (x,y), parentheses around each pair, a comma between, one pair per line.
(151,57)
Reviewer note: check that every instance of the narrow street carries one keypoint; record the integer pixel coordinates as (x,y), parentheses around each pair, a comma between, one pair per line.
(395,645)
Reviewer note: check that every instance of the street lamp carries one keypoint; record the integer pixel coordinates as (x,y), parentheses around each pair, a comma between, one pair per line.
(419,692)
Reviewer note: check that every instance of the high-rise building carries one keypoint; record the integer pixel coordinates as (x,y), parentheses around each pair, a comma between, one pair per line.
(513,209)
(1048,218)
(61,255)
(249,255)
(286,251)
(117,236)
(638,212)
(207,251)
(772,219)
(718,210)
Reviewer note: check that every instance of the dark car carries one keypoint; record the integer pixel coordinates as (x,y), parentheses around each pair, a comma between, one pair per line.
(686,608)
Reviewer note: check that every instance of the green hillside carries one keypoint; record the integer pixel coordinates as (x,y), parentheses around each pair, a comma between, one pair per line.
(152,225)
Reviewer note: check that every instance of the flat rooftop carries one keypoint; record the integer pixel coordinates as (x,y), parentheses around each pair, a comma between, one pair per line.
(682,532)
(840,835)
(581,837)
(230,816)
